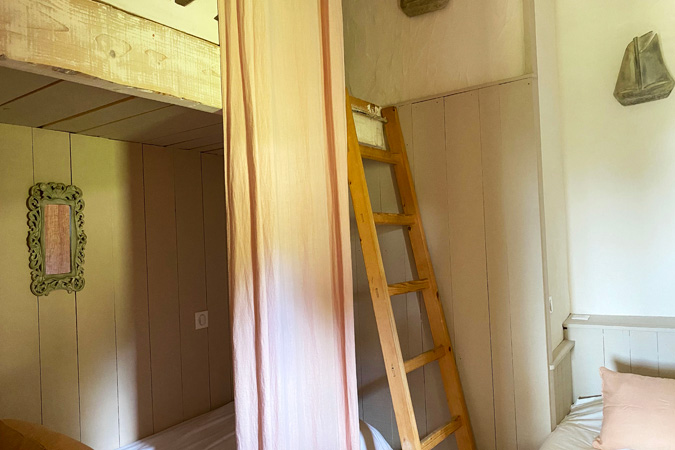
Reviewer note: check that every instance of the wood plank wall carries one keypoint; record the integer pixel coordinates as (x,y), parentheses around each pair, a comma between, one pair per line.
(626,346)
(474,160)
(121,359)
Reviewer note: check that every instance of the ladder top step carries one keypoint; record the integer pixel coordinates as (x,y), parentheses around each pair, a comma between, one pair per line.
(441,433)
(424,358)
(394,219)
(408,286)
(377,154)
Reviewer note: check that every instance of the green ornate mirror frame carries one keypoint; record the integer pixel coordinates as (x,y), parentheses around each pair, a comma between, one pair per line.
(56,238)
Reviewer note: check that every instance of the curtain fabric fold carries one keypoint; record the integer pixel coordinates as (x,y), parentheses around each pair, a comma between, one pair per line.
(288,224)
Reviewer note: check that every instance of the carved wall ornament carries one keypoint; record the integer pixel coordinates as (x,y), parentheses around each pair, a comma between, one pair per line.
(643,76)
(56,238)
(418,7)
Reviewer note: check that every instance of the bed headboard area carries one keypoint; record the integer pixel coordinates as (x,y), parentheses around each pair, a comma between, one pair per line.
(640,345)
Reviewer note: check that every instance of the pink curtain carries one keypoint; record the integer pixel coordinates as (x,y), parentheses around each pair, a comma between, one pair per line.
(288,224)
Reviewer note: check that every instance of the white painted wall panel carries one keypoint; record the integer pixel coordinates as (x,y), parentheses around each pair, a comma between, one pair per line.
(666,345)
(644,352)
(617,349)
(587,358)
(639,345)
(469,262)
(497,271)
(521,202)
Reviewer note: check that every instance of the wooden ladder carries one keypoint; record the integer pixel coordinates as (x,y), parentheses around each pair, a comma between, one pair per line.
(381,292)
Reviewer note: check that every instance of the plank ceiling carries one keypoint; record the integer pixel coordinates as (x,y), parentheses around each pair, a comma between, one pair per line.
(42,102)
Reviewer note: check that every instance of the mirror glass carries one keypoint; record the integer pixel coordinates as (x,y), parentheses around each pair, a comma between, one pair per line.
(57,239)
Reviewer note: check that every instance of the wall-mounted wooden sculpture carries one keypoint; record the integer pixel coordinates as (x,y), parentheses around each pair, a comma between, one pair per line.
(417,7)
(56,238)
(643,76)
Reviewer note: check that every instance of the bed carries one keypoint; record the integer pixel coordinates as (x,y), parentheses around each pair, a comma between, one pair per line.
(578,430)
(215,430)
(638,345)
(211,431)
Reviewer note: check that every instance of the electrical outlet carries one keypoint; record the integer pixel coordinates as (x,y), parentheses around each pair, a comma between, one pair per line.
(201,320)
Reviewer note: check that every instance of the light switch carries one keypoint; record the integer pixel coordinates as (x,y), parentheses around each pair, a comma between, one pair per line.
(201,320)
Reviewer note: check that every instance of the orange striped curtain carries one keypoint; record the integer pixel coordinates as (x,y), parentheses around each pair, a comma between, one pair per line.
(288,224)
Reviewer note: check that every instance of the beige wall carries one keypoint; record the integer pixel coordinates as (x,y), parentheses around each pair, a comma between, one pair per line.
(619,162)
(391,57)
(120,359)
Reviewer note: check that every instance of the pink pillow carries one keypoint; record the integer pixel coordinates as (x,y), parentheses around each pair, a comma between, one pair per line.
(638,412)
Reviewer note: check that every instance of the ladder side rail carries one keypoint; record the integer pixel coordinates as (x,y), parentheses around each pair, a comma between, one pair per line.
(420,249)
(379,291)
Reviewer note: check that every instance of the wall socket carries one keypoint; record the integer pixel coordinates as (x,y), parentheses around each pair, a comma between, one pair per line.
(201,320)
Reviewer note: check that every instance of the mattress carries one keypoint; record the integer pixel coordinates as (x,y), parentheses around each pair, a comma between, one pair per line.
(211,431)
(578,430)
(215,430)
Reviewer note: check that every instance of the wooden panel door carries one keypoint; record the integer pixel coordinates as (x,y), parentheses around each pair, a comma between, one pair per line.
(431,183)
(497,269)
(522,225)
(468,262)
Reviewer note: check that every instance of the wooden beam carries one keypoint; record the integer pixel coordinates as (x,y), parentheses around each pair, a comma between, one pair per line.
(96,44)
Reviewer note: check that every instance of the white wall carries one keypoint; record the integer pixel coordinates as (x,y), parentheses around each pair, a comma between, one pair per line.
(552,173)
(619,162)
(391,57)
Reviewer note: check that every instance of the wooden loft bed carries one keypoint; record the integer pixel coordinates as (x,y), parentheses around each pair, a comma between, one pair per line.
(85,67)
(92,43)
(85,370)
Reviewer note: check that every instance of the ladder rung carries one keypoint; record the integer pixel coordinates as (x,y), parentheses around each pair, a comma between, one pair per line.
(440,434)
(377,154)
(424,358)
(393,219)
(408,286)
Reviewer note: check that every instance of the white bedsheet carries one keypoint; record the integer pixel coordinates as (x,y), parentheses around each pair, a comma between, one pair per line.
(211,431)
(578,430)
(215,430)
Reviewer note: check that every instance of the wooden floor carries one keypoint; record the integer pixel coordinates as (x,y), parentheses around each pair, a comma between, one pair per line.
(43,102)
